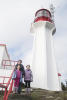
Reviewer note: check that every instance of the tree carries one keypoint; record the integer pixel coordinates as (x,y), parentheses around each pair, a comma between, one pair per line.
(63,86)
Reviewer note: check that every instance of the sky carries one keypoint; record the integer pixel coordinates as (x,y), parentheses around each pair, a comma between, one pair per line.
(16,17)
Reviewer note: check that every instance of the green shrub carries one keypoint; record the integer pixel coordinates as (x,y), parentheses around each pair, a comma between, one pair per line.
(63,87)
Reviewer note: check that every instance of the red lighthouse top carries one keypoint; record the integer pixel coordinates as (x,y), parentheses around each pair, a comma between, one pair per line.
(43,15)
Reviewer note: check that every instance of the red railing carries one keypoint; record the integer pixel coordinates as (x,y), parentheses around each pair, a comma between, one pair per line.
(10,88)
(8,63)
(9,84)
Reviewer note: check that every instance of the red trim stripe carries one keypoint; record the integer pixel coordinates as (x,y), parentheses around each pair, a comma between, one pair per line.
(42,18)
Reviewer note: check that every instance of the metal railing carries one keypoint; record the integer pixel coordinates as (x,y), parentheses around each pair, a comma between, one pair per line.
(7,86)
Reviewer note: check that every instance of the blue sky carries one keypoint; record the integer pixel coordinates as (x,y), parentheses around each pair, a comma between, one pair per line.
(16,17)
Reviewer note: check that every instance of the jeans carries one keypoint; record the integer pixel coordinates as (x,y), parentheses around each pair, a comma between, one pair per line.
(19,88)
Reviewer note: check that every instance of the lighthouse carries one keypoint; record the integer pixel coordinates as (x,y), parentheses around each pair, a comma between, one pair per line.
(43,64)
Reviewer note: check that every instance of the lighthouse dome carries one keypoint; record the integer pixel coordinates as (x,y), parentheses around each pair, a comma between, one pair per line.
(43,15)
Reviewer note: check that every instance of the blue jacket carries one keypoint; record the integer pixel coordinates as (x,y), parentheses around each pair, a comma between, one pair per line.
(15,75)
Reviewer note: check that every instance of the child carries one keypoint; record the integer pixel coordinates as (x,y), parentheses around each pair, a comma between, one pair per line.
(17,77)
(28,78)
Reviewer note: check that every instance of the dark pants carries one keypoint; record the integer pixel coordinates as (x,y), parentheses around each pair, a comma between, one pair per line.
(27,84)
(19,88)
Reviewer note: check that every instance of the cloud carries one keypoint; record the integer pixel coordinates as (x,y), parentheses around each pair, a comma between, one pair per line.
(22,48)
(27,60)
(16,17)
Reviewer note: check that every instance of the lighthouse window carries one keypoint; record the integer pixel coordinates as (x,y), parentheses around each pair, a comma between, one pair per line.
(46,14)
(43,13)
(49,14)
(40,13)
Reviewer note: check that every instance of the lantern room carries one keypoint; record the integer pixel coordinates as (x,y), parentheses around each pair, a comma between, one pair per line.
(43,15)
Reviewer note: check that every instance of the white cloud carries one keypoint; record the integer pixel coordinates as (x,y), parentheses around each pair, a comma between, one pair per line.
(16,17)
(27,60)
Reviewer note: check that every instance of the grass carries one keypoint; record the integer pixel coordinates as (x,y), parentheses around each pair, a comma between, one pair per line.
(39,94)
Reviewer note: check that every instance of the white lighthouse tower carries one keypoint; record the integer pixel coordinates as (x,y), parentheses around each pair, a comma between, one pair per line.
(43,65)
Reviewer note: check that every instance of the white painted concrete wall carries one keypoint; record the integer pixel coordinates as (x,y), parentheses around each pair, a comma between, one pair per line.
(43,65)
(4,56)
(1,53)
(6,73)
(8,69)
